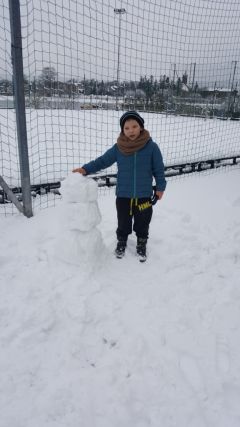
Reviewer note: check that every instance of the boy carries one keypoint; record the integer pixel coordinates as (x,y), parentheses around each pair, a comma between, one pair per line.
(139,159)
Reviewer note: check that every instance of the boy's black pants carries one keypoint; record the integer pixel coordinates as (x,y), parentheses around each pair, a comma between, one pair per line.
(136,212)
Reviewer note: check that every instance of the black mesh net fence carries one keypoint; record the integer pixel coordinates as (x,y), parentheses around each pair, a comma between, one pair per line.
(86,62)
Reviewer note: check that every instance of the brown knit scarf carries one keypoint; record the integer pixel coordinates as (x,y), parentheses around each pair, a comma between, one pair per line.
(126,146)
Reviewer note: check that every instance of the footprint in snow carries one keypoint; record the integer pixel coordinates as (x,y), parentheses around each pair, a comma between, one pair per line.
(192,374)
(236,203)
(222,356)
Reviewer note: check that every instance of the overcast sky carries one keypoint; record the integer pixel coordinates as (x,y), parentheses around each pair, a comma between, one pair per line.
(81,37)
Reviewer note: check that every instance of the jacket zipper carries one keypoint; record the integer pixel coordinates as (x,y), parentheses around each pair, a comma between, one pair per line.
(134,175)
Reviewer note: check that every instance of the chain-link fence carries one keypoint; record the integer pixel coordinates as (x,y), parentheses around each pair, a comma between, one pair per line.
(84,63)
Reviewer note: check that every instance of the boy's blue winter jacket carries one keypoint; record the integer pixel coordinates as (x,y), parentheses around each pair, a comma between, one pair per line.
(135,171)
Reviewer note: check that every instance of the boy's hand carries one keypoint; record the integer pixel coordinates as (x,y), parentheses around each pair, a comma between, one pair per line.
(80,170)
(159,194)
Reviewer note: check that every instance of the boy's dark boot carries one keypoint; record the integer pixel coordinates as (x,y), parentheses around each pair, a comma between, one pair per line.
(120,249)
(142,249)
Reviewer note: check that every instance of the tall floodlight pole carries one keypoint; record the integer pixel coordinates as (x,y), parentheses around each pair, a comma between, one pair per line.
(119,12)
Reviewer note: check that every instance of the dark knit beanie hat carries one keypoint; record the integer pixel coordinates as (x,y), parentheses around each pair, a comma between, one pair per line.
(131,115)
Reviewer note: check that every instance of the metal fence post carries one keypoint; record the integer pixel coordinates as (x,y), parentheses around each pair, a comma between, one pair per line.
(17,63)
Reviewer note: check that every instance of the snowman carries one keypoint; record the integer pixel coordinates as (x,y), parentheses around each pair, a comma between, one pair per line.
(80,242)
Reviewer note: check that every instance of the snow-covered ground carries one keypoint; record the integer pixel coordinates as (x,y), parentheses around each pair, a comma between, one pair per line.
(113,343)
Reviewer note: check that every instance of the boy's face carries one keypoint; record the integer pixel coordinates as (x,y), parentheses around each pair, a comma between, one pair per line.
(131,129)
